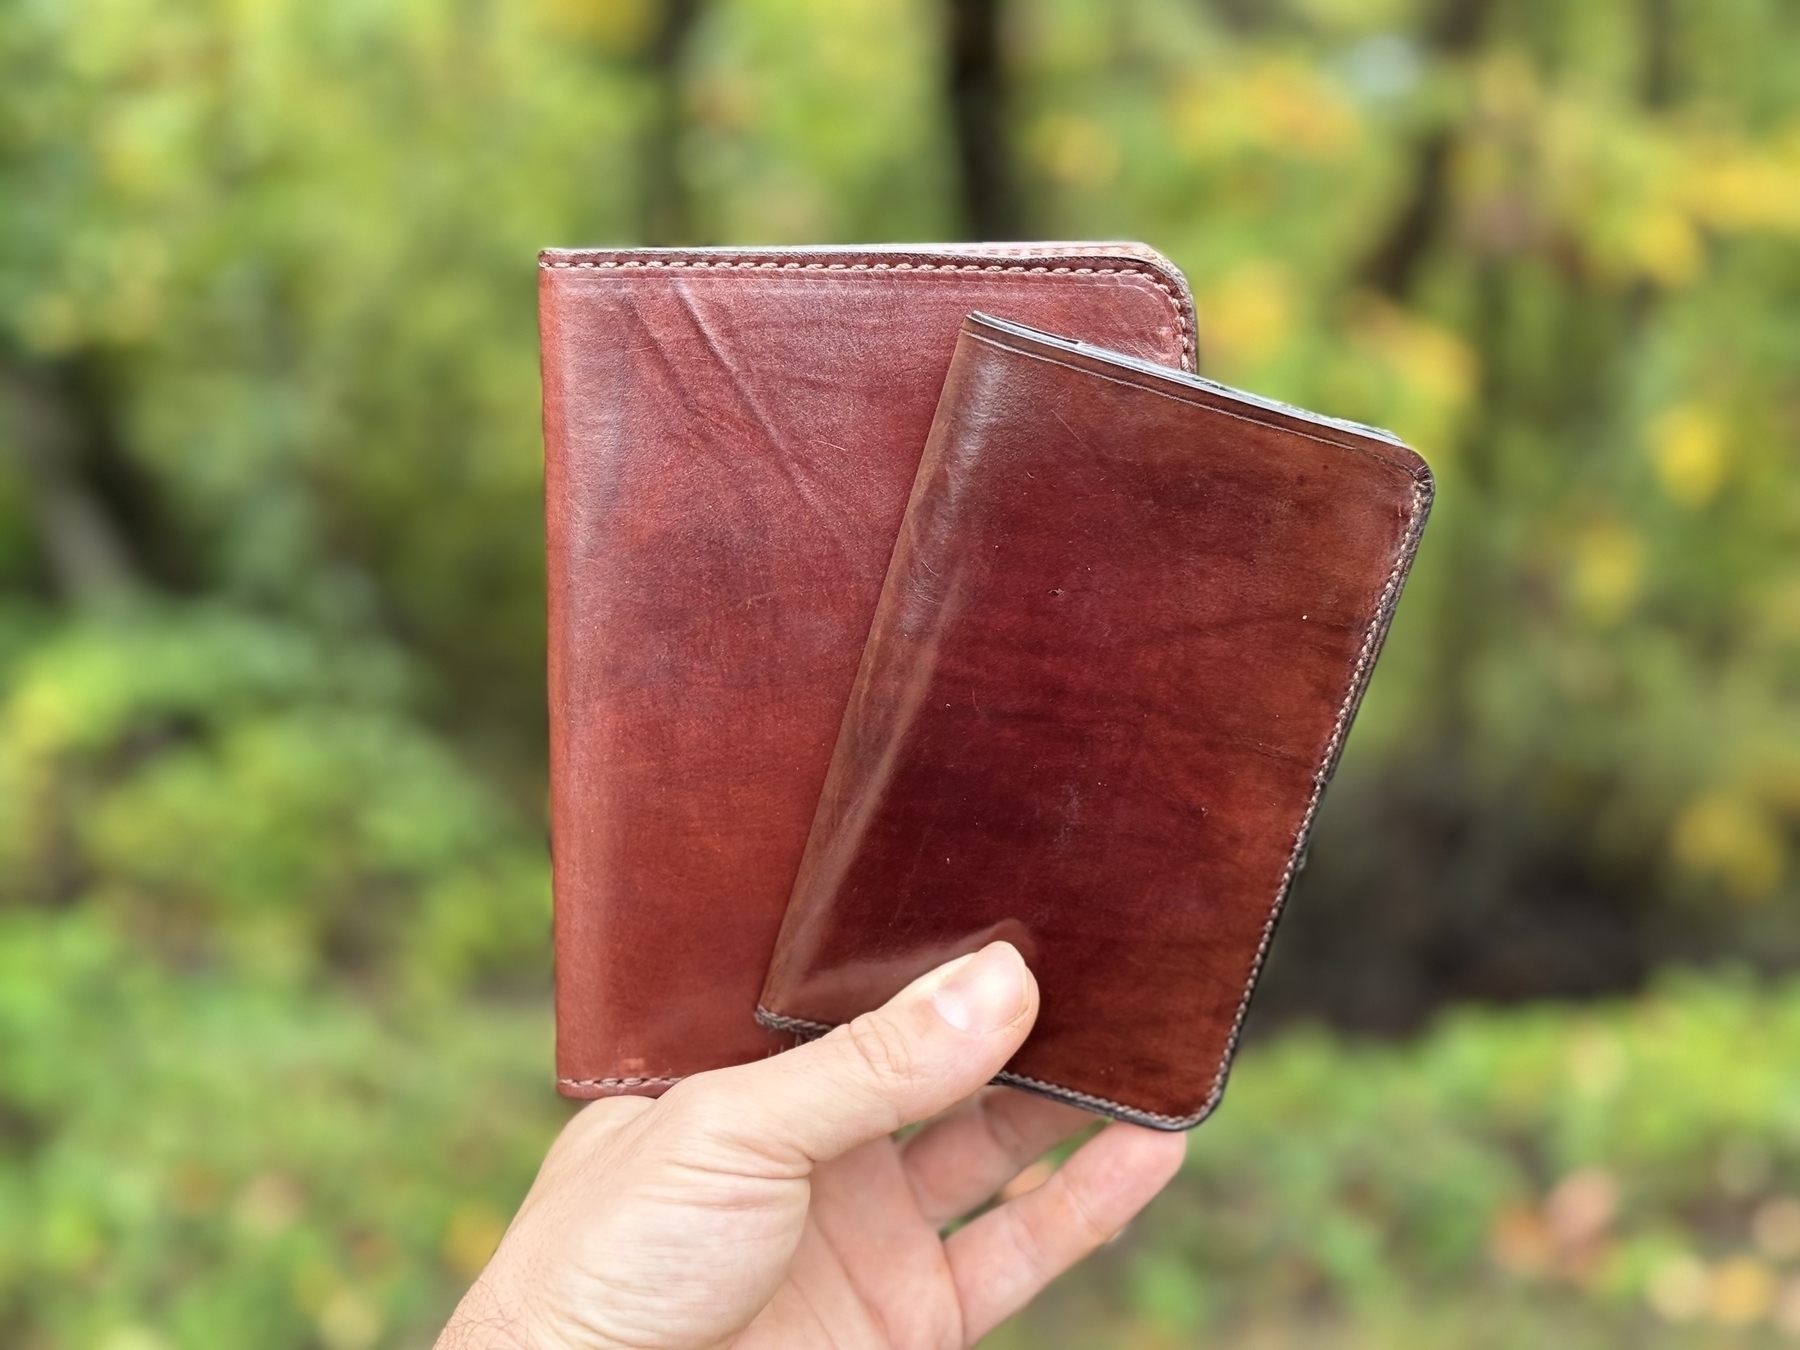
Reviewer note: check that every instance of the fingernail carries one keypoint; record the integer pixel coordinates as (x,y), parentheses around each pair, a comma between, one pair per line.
(986,993)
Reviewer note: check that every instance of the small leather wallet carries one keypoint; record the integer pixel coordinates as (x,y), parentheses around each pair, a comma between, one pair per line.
(1119,645)
(729,438)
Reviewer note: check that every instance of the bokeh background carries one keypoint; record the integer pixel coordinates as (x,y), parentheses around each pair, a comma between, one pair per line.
(274,1024)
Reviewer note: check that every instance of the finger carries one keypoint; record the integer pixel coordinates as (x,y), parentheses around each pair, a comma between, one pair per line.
(931,1045)
(956,1163)
(1001,1260)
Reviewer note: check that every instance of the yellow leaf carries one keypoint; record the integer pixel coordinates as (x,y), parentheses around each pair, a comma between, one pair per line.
(1667,248)
(1507,87)
(1596,1061)
(1277,107)
(1747,192)
(1687,444)
(616,26)
(1608,571)
(1733,839)
(470,1237)
(1743,1289)
(350,1322)
(133,1338)
(1431,361)
(1076,151)
(1678,1289)
(1246,318)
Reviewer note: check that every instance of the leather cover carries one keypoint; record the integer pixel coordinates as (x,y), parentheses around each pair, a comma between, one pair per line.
(730,437)
(1125,629)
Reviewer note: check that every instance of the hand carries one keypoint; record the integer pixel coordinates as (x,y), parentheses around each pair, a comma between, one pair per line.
(769,1205)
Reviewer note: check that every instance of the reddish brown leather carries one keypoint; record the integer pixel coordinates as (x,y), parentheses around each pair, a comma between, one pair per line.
(729,440)
(1125,629)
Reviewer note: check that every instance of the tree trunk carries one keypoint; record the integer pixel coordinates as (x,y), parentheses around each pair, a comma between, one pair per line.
(666,216)
(978,111)
(84,551)
(1393,264)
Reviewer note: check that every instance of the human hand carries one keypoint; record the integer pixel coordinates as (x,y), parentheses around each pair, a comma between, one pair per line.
(769,1205)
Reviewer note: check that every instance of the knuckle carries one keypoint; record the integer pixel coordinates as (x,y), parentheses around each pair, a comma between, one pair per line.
(1088,1224)
(704,1130)
(1002,1128)
(694,1108)
(1029,1249)
(884,1049)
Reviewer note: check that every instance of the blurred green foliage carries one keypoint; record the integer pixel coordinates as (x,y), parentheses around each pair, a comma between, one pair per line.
(1617,1176)
(199,1162)
(273,904)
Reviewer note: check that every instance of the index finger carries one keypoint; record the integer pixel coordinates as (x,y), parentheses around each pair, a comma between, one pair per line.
(963,1159)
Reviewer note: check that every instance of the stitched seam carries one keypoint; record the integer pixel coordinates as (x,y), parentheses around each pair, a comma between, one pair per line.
(616,1082)
(1187,337)
(1378,625)
(781,1022)
(1088,1099)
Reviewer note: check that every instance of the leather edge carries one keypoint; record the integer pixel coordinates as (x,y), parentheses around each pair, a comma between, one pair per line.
(1195,391)
(808,1031)
(1044,259)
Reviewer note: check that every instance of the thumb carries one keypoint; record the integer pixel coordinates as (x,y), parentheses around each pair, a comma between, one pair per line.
(931,1045)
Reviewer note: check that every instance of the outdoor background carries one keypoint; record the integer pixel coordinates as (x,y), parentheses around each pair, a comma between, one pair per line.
(274,953)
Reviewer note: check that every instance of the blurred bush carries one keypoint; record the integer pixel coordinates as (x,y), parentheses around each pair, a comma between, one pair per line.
(273,904)
(1627,1175)
(235,795)
(199,1161)
(245,899)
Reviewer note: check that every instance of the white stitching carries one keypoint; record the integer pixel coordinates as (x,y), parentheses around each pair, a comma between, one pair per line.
(1074,1098)
(615,1082)
(1190,356)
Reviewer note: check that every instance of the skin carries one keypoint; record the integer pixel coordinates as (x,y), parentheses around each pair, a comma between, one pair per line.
(770,1205)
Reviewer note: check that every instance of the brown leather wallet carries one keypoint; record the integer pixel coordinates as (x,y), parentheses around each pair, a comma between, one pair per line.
(1124,632)
(730,436)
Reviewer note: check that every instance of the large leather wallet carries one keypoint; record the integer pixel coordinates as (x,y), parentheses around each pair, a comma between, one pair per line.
(730,437)
(1127,622)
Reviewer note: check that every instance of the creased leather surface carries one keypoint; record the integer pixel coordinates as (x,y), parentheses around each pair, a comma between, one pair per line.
(729,439)
(1118,649)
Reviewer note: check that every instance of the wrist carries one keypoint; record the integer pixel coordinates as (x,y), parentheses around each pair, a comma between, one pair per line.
(491,1316)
